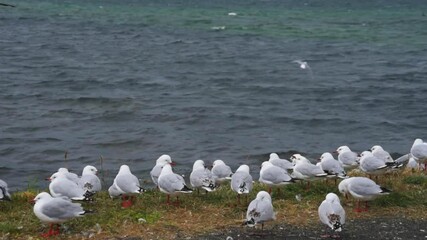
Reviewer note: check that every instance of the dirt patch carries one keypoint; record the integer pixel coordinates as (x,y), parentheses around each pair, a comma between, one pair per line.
(377,228)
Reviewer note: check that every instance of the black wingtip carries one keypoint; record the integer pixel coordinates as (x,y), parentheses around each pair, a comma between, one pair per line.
(337,225)
(142,190)
(385,190)
(87,212)
(250,222)
(186,189)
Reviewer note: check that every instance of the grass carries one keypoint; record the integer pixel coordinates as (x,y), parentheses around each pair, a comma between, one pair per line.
(200,213)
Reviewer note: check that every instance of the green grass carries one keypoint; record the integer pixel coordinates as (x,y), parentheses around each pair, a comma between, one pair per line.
(199,213)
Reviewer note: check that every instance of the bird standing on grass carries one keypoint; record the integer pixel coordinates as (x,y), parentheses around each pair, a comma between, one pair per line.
(171,183)
(127,185)
(160,162)
(201,177)
(55,211)
(241,181)
(89,180)
(221,172)
(362,189)
(4,191)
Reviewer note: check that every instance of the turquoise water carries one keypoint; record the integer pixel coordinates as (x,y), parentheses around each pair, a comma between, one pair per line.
(131,80)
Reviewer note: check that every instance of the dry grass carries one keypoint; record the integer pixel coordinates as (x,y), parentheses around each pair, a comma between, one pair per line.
(202,213)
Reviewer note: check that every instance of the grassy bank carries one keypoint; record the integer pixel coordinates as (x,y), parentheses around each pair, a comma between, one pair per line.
(151,218)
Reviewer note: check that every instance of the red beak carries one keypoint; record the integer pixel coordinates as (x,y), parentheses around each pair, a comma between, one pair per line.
(173,163)
(32,201)
(48,179)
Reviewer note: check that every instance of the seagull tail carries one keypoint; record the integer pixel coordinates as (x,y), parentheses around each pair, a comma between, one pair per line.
(250,222)
(385,190)
(6,196)
(87,212)
(141,190)
(186,189)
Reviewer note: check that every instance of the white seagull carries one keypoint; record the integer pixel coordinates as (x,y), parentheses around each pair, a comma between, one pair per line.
(89,180)
(61,186)
(362,189)
(221,172)
(71,176)
(372,165)
(331,213)
(171,183)
(273,176)
(380,153)
(4,191)
(419,152)
(241,181)
(283,163)
(127,185)
(55,211)
(201,177)
(331,166)
(160,162)
(347,158)
(260,210)
(305,170)
(302,64)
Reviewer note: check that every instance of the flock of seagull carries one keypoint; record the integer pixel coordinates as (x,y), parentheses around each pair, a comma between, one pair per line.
(65,187)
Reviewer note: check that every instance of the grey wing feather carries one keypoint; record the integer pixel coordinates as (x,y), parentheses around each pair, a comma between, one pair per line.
(364,188)
(276,175)
(90,183)
(67,188)
(348,158)
(128,183)
(62,209)
(285,164)
(310,170)
(419,151)
(222,171)
(172,182)
(155,173)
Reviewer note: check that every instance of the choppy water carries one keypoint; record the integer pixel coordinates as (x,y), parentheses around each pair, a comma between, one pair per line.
(131,80)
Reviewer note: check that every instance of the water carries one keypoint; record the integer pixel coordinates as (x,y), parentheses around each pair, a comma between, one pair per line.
(131,80)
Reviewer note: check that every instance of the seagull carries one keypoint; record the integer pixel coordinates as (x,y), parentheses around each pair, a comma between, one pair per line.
(55,211)
(305,170)
(127,184)
(172,183)
(4,192)
(71,176)
(221,172)
(331,166)
(347,158)
(114,192)
(372,165)
(232,14)
(241,181)
(419,152)
(380,153)
(160,162)
(362,189)
(272,175)
(89,180)
(283,163)
(331,213)
(302,64)
(260,210)
(201,177)
(61,186)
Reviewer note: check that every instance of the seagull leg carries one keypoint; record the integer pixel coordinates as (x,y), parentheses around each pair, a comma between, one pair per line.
(177,201)
(326,235)
(57,230)
(49,233)
(269,190)
(366,206)
(357,209)
(238,199)
(126,201)
(167,201)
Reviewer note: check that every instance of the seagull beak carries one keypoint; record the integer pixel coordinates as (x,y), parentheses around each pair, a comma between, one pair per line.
(173,163)
(48,179)
(32,201)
